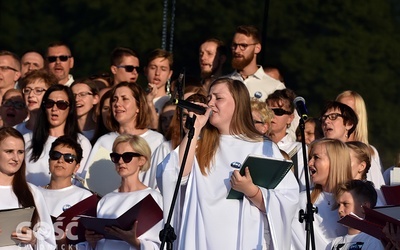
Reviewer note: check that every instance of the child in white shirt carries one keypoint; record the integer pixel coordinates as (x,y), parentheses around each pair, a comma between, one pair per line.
(350,197)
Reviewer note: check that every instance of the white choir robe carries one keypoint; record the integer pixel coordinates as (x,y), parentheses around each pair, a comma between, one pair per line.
(326,227)
(210,221)
(115,204)
(44,231)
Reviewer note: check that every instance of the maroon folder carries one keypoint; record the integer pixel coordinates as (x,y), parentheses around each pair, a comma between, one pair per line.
(71,215)
(375,220)
(391,194)
(146,211)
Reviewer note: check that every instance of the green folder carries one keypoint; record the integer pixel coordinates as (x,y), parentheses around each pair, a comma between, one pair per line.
(265,171)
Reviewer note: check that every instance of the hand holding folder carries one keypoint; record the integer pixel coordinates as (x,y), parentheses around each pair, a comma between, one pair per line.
(146,212)
(9,221)
(265,171)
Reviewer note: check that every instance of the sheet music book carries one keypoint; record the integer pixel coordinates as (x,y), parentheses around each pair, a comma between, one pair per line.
(375,220)
(146,211)
(265,171)
(9,220)
(84,207)
(391,194)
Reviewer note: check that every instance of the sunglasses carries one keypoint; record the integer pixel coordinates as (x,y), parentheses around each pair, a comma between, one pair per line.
(68,158)
(280,112)
(61,104)
(126,157)
(63,58)
(129,68)
(16,105)
(332,117)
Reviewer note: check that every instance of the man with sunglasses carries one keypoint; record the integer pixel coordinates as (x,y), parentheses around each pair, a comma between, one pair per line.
(124,65)
(60,62)
(10,71)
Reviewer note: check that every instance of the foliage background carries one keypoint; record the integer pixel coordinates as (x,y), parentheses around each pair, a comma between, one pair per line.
(322,46)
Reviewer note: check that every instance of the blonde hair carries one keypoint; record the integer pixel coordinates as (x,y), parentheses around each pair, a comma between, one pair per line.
(339,164)
(266,114)
(363,153)
(361,131)
(139,144)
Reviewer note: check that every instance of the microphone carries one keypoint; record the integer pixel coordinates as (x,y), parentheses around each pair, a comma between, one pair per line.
(190,106)
(301,108)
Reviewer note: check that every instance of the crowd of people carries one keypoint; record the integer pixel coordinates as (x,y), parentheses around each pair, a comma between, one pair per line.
(64,139)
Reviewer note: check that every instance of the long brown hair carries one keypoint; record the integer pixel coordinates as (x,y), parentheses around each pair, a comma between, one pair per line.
(19,185)
(143,118)
(241,124)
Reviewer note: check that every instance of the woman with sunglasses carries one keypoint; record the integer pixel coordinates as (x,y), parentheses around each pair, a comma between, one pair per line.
(281,104)
(33,86)
(15,192)
(58,114)
(130,155)
(87,97)
(130,114)
(259,220)
(60,193)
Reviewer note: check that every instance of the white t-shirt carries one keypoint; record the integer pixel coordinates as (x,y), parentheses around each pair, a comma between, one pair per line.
(38,172)
(59,200)
(360,241)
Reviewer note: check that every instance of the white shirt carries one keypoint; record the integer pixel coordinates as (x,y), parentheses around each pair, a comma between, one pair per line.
(38,172)
(210,221)
(45,231)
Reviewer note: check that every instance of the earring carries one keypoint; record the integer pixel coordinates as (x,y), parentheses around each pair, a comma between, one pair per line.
(288,125)
(169,87)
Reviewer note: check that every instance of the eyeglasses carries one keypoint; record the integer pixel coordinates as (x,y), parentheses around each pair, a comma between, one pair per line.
(61,104)
(16,105)
(62,58)
(4,68)
(36,91)
(281,112)
(129,68)
(68,158)
(331,116)
(242,46)
(83,94)
(126,157)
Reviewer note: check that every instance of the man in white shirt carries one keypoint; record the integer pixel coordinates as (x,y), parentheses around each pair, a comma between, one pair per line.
(246,45)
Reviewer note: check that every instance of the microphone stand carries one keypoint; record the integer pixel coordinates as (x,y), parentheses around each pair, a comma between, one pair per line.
(307,216)
(180,87)
(167,235)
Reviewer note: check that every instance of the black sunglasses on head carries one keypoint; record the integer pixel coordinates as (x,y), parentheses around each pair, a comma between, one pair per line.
(61,104)
(129,68)
(68,158)
(280,112)
(63,58)
(126,157)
